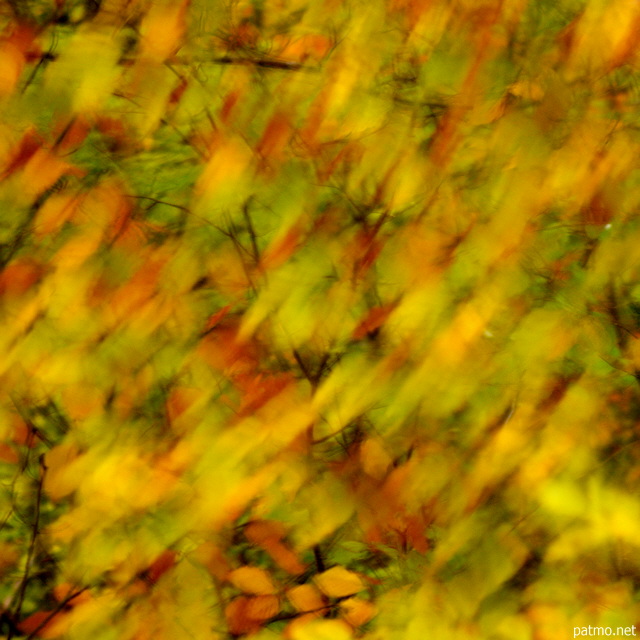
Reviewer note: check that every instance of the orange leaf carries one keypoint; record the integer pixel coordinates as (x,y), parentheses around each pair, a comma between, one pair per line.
(374,319)
(310,46)
(258,390)
(252,580)
(268,534)
(178,92)
(44,624)
(275,138)
(238,620)
(374,458)
(71,135)
(180,400)
(279,251)
(64,590)
(339,582)
(366,249)
(284,557)
(11,66)
(15,49)
(10,455)
(57,209)
(260,531)
(222,349)
(30,143)
(357,611)
(229,105)
(22,433)
(216,317)
(108,208)
(163,28)
(262,607)
(415,533)
(306,597)
(18,277)
(43,169)
(212,557)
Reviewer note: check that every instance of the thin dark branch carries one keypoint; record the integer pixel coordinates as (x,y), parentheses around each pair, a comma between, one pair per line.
(321,369)
(156,201)
(35,530)
(618,327)
(33,430)
(251,231)
(303,367)
(184,138)
(61,605)
(333,434)
(291,616)
(317,554)
(45,57)
(240,250)
(265,63)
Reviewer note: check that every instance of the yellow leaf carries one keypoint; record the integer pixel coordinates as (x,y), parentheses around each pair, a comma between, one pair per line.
(77,250)
(87,78)
(327,506)
(223,183)
(322,630)
(65,470)
(526,89)
(252,580)
(339,582)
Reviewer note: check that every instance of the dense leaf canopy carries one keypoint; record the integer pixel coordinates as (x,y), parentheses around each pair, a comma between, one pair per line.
(319,319)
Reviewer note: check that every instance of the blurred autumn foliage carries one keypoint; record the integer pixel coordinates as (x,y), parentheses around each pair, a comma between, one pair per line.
(320,319)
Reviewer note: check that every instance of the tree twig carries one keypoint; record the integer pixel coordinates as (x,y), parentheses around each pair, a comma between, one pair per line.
(35,527)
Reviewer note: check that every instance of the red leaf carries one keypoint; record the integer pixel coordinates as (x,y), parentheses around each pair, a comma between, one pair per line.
(72,135)
(35,624)
(259,389)
(237,615)
(216,317)
(598,212)
(30,143)
(373,320)
(18,277)
(282,249)
(228,106)
(275,137)
(115,130)
(178,92)
(268,535)
(8,453)
(165,561)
